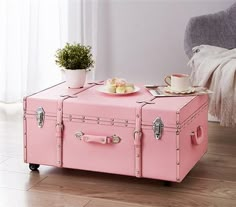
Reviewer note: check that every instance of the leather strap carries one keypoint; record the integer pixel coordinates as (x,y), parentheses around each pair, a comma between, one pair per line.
(138,136)
(138,141)
(59,129)
(59,121)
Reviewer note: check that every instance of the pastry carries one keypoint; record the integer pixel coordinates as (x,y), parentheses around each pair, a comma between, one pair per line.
(118,85)
(111,88)
(129,87)
(120,89)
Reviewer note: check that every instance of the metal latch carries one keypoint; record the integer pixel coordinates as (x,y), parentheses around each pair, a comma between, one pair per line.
(40,115)
(157,127)
(115,139)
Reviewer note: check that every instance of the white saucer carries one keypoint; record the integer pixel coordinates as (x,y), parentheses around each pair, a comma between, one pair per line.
(168,89)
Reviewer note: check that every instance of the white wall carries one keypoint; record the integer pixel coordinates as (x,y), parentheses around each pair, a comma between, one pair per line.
(142,40)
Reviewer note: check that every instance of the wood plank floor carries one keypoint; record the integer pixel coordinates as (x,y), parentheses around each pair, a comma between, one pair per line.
(212,182)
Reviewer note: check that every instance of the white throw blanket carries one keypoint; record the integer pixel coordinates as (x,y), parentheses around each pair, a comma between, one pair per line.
(215,68)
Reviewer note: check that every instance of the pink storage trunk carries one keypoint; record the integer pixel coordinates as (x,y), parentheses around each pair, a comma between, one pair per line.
(137,135)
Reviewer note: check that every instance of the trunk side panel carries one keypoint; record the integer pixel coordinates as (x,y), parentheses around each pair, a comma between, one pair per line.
(192,107)
(190,153)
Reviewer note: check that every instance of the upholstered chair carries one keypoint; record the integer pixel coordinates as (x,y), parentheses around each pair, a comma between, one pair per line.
(218,29)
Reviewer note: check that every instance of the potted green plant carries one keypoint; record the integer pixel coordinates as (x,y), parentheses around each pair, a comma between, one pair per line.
(76,59)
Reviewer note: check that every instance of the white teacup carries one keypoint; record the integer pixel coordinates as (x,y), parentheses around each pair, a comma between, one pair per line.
(178,82)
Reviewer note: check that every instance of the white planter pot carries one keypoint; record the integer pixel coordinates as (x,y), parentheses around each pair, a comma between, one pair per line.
(75,78)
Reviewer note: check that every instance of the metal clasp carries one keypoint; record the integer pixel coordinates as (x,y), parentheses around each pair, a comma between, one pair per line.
(79,134)
(115,139)
(157,127)
(40,115)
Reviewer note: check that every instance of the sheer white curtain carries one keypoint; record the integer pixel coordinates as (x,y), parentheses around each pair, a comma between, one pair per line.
(30,33)
(83,25)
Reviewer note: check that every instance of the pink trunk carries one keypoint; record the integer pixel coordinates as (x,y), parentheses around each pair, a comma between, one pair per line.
(137,135)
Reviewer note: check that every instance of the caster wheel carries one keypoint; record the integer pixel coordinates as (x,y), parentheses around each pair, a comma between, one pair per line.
(33,167)
(167,183)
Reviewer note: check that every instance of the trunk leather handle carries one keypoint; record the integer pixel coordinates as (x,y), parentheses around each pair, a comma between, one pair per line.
(98,139)
(197,136)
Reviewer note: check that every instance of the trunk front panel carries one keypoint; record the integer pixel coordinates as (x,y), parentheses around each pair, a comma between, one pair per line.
(112,158)
(159,156)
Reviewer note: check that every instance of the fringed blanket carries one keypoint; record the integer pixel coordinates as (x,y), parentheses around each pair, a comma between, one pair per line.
(215,68)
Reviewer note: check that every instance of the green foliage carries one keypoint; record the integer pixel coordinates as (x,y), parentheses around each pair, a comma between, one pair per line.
(74,57)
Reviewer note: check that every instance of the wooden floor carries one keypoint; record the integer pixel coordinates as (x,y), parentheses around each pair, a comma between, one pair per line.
(212,182)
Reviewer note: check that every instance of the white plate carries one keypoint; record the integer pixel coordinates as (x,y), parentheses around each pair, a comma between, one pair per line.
(103,90)
(168,89)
